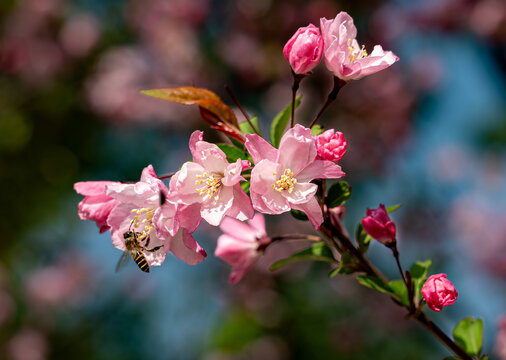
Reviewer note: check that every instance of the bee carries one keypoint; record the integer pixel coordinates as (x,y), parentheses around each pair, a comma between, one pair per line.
(134,249)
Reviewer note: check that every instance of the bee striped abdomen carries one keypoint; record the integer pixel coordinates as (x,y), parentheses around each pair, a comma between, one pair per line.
(141,261)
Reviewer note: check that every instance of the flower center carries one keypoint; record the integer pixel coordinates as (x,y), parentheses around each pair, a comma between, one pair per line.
(355,54)
(147,221)
(285,182)
(211,185)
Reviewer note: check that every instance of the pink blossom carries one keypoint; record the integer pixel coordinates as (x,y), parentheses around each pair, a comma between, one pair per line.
(304,50)
(211,182)
(331,145)
(96,205)
(242,244)
(439,292)
(281,179)
(379,226)
(344,57)
(166,225)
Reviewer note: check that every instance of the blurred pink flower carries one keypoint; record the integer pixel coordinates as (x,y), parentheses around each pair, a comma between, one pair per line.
(28,344)
(500,339)
(242,244)
(304,50)
(64,283)
(79,34)
(281,179)
(140,210)
(96,205)
(344,57)
(211,181)
(331,145)
(439,292)
(377,223)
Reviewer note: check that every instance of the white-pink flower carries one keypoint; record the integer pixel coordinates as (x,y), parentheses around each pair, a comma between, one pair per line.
(242,244)
(212,182)
(344,56)
(281,179)
(167,226)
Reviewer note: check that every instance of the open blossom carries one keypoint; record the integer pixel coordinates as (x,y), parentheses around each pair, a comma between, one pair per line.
(304,50)
(344,57)
(331,145)
(96,205)
(242,244)
(140,210)
(212,182)
(439,292)
(377,223)
(281,179)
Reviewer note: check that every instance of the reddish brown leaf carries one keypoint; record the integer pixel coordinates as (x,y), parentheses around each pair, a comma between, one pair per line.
(196,96)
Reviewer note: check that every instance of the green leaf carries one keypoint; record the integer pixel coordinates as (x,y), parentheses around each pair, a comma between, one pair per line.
(393,208)
(246,128)
(233,153)
(316,130)
(338,194)
(279,123)
(333,272)
(299,215)
(418,274)
(245,186)
(318,252)
(363,239)
(468,333)
(400,293)
(348,264)
(375,283)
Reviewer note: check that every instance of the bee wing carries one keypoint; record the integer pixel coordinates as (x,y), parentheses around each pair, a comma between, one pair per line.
(123,261)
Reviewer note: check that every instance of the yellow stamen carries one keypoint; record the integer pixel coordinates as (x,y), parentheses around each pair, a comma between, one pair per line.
(285,182)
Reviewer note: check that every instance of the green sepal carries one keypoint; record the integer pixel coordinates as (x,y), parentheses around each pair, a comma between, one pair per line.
(318,252)
(363,239)
(246,128)
(338,194)
(468,333)
(299,215)
(279,123)
(232,152)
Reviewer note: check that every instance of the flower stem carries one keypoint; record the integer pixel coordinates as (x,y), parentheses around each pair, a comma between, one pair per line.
(297,78)
(236,102)
(166,176)
(338,84)
(341,239)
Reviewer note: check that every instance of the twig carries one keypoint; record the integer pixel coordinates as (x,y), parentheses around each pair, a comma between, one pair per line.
(338,84)
(234,99)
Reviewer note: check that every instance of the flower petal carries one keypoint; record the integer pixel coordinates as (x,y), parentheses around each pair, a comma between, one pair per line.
(297,149)
(312,210)
(259,149)
(185,248)
(301,193)
(213,210)
(320,169)
(242,208)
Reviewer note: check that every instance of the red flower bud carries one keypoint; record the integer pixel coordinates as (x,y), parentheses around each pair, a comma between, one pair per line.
(379,226)
(439,292)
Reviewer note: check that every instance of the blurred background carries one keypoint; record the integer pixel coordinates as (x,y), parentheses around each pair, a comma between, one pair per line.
(429,133)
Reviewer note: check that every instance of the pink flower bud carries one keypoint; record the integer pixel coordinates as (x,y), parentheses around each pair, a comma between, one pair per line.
(379,226)
(304,50)
(331,146)
(439,292)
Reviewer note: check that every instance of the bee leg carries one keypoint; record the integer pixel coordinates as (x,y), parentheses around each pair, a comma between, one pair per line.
(156,248)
